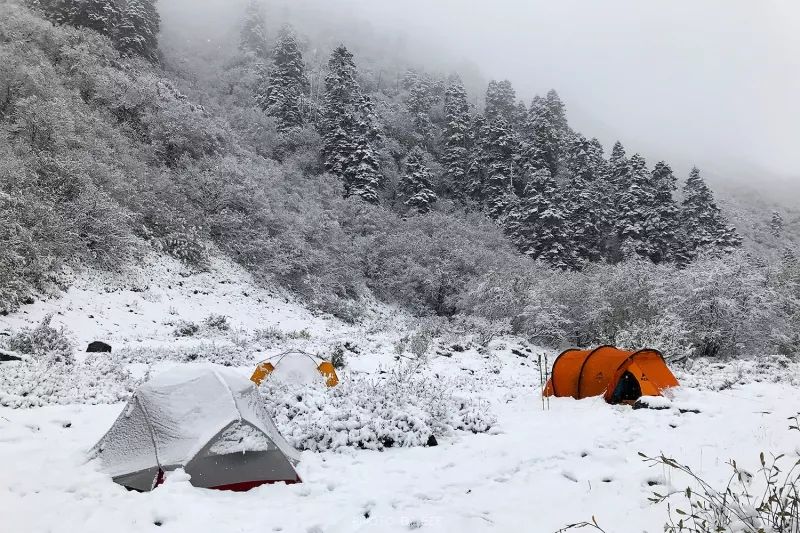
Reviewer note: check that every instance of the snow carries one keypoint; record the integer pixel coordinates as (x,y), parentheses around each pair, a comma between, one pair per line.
(533,465)
(546,468)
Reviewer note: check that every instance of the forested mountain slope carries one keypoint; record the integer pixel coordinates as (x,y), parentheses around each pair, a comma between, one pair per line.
(342,181)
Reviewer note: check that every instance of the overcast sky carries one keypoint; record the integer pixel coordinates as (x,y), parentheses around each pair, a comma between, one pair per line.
(712,82)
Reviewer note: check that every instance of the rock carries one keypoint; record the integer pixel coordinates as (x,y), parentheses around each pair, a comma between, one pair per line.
(432,441)
(98,347)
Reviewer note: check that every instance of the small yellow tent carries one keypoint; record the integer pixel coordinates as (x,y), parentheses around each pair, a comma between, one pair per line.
(296,367)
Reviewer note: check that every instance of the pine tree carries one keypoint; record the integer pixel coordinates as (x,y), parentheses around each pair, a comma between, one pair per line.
(476,170)
(419,102)
(498,158)
(288,84)
(663,223)
(339,114)
(589,217)
(619,167)
(634,209)
(416,190)
(537,225)
(102,16)
(456,138)
(362,176)
(544,139)
(776,224)
(138,30)
(501,101)
(253,38)
(703,222)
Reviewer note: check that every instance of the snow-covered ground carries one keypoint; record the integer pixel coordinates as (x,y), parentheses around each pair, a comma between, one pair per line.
(536,470)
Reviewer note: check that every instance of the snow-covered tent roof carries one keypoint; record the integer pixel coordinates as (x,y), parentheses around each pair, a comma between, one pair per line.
(297,368)
(187,415)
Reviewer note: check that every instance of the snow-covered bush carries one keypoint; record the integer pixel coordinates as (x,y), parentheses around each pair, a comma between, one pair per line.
(226,354)
(217,322)
(185,328)
(44,341)
(399,409)
(97,380)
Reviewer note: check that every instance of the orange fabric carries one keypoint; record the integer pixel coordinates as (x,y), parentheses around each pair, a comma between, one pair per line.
(586,373)
(262,371)
(327,370)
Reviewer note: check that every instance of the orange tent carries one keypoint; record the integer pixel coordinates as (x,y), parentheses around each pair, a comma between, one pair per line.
(296,367)
(620,376)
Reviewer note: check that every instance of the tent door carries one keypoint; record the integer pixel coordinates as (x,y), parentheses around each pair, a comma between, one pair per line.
(627,389)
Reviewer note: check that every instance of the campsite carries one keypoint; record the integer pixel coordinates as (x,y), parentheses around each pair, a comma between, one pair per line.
(388,266)
(545,461)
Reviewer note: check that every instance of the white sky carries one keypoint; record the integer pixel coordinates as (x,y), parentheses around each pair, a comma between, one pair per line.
(711,82)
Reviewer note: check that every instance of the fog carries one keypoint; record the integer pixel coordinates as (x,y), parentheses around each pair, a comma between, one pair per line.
(710,82)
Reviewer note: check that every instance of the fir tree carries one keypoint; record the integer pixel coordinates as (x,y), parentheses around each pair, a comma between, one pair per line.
(498,158)
(544,139)
(288,85)
(138,30)
(501,101)
(419,102)
(102,16)
(537,225)
(362,176)
(456,138)
(339,111)
(634,209)
(663,223)
(776,224)
(589,217)
(703,222)
(619,167)
(416,190)
(253,38)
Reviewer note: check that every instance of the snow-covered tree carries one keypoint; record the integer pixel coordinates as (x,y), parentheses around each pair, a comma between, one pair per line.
(419,101)
(702,221)
(662,225)
(776,224)
(137,33)
(537,225)
(339,119)
(544,135)
(362,176)
(456,138)
(253,37)
(415,187)
(501,101)
(634,209)
(586,199)
(498,161)
(284,95)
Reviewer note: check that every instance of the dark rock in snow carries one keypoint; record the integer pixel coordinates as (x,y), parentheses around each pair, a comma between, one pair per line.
(98,347)
(432,441)
(7,356)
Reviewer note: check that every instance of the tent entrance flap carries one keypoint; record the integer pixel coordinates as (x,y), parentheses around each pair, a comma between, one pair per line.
(627,389)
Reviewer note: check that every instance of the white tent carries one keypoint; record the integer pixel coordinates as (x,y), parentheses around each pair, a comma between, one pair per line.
(208,420)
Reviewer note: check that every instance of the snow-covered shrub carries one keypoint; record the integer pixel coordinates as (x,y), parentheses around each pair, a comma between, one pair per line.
(97,380)
(44,341)
(217,322)
(338,359)
(226,354)
(665,333)
(187,246)
(185,328)
(397,410)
